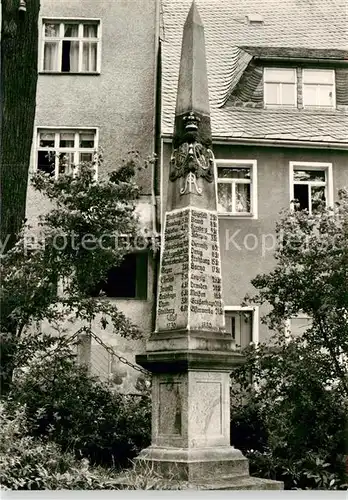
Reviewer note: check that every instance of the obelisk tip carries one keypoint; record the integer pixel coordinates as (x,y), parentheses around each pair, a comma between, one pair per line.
(193,16)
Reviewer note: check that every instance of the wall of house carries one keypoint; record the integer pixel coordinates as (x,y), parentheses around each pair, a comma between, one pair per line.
(119,102)
(246,243)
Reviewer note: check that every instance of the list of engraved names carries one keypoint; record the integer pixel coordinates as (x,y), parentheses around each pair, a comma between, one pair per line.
(190,278)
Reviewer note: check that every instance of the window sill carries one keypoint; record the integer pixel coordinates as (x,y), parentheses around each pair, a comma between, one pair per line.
(226,215)
(114,299)
(65,73)
(317,107)
(280,106)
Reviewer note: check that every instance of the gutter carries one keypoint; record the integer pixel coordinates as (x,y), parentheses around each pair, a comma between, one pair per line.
(307,60)
(273,142)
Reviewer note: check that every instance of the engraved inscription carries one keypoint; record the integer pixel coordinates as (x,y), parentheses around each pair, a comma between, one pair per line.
(190,278)
(206,310)
(172,308)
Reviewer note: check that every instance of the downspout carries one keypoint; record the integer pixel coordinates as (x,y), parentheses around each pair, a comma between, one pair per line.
(156,128)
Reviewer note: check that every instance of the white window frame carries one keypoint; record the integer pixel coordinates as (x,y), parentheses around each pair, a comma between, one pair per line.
(75,150)
(333,106)
(253,214)
(288,332)
(327,167)
(255,327)
(70,20)
(279,94)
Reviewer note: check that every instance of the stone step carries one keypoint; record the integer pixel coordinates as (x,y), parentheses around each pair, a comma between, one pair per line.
(232,483)
(241,483)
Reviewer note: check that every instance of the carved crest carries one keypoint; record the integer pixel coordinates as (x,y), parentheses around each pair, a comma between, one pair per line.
(191,161)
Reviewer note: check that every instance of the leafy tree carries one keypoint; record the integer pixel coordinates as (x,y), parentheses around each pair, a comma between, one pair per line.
(19,50)
(290,398)
(79,240)
(311,277)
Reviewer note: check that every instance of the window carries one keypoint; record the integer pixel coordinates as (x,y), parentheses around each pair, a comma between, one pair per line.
(319,87)
(311,185)
(239,324)
(280,87)
(71,46)
(237,187)
(127,281)
(296,326)
(59,151)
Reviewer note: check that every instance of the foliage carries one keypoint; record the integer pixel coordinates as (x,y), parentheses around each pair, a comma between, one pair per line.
(66,405)
(290,398)
(28,463)
(310,277)
(84,211)
(144,476)
(309,473)
(78,241)
(289,411)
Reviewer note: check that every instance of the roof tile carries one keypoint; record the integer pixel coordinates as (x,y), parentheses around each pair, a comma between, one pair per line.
(310,24)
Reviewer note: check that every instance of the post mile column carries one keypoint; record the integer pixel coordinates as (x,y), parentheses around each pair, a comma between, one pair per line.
(190,355)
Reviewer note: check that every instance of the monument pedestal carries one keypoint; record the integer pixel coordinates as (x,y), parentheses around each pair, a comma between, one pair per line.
(190,445)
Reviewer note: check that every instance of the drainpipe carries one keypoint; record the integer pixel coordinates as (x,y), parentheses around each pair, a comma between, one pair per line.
(157,120)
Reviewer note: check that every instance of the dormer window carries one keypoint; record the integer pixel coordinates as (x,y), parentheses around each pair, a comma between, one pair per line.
(255,19)
(280,87)
(319,88)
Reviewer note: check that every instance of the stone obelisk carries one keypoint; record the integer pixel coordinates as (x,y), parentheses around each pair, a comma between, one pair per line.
(190,355)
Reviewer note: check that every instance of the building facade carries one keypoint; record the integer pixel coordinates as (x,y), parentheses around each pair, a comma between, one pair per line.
(278,85)
(97,88)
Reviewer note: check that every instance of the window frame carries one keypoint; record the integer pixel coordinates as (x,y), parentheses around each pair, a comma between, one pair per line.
(280,105)
(70,20)
(327,167)
(57,131)
(320,106)
(287,324)
(255,321)
(253,214)
(139,297)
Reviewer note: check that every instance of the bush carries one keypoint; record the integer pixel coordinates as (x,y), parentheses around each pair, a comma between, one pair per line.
(309,473)
(291,422)
(27,463)
(81,414)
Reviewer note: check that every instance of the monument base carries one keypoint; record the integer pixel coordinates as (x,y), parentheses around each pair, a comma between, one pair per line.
(214,468)
(190,446)
(194,464)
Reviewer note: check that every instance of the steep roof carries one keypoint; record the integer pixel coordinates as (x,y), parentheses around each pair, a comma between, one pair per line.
(309,26)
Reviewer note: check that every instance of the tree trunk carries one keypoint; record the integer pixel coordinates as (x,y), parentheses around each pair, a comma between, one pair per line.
(19,52)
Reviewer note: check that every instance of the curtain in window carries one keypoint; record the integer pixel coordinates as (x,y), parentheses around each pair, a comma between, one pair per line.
(224,197)
(51,56)
(74,57)
(242,197)
(89,51)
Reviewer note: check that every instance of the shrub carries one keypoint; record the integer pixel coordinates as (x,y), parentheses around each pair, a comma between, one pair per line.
(293,416)
(28,463)
(80,413)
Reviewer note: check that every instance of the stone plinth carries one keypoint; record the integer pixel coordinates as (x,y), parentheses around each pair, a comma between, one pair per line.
(191,428)
(190,445)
